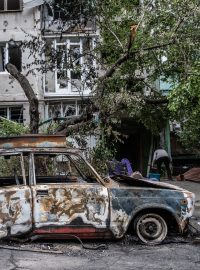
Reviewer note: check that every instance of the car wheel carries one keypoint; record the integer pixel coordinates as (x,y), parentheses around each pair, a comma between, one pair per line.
(150,228)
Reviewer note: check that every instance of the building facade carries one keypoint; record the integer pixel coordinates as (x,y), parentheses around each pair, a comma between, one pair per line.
(16,23)
(61,88)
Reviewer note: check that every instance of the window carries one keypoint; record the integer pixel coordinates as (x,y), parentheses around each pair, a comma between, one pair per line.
(11,170)
(62,109)
(69,63)
(10,54)
(62,168)
(72,65)
(12,113)
(10,5)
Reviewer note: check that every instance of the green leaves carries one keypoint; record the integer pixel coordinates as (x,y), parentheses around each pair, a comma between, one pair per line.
(165,47)
(8,128)
(184,105)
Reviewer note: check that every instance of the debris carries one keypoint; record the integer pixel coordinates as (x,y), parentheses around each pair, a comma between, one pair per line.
(196,241)
(30,249)
(101,246)
(191,175)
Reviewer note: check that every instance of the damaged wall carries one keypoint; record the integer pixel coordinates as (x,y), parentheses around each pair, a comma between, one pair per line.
(15,28)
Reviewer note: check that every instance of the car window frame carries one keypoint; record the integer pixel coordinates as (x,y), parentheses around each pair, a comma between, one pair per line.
(32,175)
(21,163)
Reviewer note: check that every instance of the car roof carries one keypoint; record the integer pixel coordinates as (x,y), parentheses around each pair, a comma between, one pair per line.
(36,143)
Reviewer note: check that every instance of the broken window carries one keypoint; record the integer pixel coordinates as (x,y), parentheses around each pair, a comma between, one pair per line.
(12,113)
(10,5)
(15,56)
(74,58)
(62,168)
(10,54)
(3,58)
(66,11)
(62,109)
(11,170)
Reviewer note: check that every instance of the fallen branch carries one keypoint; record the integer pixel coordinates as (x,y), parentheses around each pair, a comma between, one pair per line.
(73,121)
(156,101)
(75,128)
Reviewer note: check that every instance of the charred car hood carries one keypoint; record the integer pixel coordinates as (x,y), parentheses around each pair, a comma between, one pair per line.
(144,182)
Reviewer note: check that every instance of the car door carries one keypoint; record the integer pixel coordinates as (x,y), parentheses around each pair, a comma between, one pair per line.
(15,196)
(64,201)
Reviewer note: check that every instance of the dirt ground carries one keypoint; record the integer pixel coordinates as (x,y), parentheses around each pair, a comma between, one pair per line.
(174,254)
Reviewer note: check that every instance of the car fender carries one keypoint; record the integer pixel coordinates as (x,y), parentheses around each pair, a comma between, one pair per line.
(152,208)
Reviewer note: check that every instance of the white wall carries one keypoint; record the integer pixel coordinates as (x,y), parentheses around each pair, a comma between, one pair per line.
(15,25)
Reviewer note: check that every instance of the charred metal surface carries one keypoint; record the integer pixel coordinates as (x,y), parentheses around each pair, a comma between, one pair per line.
(61,205)
(15,210)
(33,141)
(128,202)
(102,208)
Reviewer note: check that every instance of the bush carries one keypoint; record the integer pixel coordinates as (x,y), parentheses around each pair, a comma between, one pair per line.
(8,128)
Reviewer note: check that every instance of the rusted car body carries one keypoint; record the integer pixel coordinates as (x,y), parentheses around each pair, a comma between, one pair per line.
(49,190)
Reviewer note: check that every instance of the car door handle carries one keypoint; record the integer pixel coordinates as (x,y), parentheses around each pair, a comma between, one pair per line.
(42,192)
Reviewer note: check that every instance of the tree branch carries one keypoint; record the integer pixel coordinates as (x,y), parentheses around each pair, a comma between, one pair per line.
(156,101)
(75,128)
(73,121)
(158,46)
(123,59)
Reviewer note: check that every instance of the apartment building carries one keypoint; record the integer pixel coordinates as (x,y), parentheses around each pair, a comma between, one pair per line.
(66,85)
(60,90)
(18,19)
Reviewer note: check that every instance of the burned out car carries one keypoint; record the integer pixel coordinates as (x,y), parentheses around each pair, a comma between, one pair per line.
(48,190)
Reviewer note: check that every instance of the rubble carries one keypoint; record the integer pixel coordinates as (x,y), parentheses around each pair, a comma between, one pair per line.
(191,175)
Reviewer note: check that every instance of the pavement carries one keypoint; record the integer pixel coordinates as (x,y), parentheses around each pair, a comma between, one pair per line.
(169,256)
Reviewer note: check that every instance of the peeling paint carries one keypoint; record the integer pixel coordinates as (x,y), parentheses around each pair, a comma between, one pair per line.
(15,210)
(88,209)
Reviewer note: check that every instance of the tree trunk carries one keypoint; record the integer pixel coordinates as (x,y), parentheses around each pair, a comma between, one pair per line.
(31,96)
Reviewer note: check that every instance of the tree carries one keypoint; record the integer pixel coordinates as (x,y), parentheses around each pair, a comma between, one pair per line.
(184,104)
(164,46)
(30,94)
(140,42)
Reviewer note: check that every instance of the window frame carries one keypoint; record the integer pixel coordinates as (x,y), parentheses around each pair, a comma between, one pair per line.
(3,154)
(12,10)
(69,81)
(69,44)
(98,180)
(8,113)
(61,105)
(6,57)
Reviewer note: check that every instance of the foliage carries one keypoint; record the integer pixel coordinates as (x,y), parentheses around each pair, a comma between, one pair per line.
(169,26)
(165,45)
(184,104)
(48,127)
(8,128)
(10,166)
(99,155)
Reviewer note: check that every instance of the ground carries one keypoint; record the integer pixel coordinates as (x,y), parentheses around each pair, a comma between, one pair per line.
(118,256)
(175,253)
